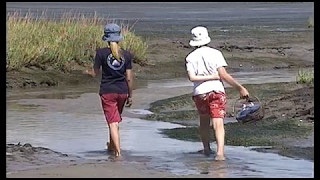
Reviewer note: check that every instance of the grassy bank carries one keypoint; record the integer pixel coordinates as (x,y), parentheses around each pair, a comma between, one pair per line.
(43,43)
(289,113)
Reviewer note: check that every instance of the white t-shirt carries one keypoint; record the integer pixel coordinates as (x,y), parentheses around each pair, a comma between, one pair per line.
(204,61)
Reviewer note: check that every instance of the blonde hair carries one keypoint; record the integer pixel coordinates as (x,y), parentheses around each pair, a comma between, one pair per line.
(115,50)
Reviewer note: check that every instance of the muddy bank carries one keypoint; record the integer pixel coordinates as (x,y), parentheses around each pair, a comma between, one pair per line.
(287,126)
(28,162)
(35,77)
(24,156)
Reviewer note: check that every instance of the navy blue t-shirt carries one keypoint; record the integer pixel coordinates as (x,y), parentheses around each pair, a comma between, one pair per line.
(113,78)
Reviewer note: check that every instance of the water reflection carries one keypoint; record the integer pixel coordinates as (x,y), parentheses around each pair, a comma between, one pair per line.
(215,169)
(76,126)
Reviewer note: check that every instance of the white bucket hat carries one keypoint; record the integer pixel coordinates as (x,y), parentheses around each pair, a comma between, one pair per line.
(200,36)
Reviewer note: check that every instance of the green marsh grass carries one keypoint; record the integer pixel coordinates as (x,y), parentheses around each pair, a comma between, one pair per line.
(42,42)
(305,76)
(310,22)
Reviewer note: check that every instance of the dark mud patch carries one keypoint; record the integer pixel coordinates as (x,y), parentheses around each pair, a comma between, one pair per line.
(37,78)
(23,107)
(24,156)
(292,152)
(30,78)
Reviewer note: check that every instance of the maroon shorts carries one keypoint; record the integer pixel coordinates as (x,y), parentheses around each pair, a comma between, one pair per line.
(212,103)
(112,105)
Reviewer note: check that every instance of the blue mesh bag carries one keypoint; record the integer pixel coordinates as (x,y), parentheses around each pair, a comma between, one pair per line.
(248,109)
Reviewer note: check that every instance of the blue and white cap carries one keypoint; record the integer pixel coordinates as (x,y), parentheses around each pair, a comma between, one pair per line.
(112,33)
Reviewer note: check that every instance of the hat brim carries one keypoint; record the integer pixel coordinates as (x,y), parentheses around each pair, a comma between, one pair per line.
(112,38)
(200,42)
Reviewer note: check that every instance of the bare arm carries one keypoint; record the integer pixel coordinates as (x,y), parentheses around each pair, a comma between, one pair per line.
(129,79)
(195,78)
(225,76)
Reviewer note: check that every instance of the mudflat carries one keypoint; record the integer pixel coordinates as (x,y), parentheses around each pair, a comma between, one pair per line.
(259,45)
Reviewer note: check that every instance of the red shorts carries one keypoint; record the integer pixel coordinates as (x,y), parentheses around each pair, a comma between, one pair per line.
(112,105)
(212,103)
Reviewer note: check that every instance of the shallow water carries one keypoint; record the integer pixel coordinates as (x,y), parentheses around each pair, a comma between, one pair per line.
(75,125)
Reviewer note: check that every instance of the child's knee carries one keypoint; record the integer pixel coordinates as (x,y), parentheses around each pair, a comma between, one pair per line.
(217,123)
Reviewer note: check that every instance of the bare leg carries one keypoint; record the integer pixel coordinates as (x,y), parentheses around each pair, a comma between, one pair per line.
(218,127)
(204,133)
(110,145)
(115,137)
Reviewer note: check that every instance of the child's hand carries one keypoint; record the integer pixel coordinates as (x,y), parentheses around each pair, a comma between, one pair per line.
(244,93)
(129,102)
(86,72)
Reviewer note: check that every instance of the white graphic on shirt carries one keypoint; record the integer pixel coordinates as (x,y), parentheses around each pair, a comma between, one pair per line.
(113,63)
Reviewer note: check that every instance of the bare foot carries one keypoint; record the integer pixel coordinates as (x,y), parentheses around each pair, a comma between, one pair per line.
(206,152)
(219,158)
(117,154)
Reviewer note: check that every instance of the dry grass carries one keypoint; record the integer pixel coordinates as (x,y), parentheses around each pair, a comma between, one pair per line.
(40,42)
